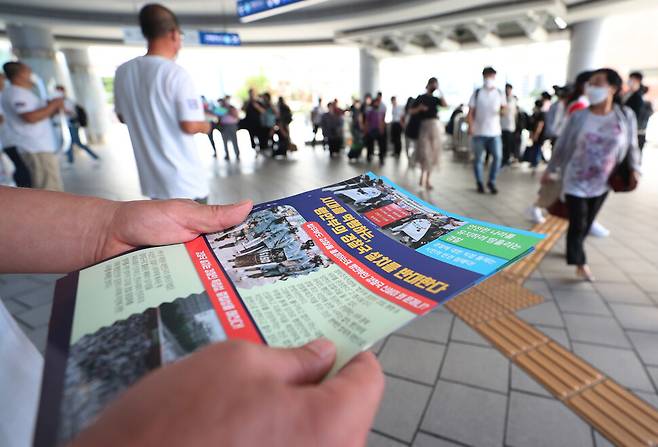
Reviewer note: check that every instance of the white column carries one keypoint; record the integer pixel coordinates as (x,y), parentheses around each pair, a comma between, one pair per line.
(585,53)
(369,73)
(35,46)
(89,93)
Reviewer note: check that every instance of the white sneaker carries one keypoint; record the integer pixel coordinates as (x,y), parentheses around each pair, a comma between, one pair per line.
(598,230)
(534,214)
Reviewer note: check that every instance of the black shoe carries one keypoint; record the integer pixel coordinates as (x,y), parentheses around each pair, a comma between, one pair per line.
(492,188)
(480,188)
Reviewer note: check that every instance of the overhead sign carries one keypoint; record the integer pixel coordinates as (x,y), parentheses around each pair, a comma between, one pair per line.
(133,35)
(250,10)
(218,38)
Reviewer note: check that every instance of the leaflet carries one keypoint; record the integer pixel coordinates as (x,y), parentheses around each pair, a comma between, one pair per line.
(351,262)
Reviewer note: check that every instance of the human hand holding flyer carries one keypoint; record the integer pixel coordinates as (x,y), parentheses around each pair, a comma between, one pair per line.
(351,262)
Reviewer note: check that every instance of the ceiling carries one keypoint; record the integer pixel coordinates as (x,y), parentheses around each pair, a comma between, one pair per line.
(387,26)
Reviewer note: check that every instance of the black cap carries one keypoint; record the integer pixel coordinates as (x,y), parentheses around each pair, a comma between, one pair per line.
(488,71)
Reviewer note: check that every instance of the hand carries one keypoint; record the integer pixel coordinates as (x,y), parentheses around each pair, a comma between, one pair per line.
(636,176)
(161,222)
(241,394)
(56,104)
(545,178)
(422,107)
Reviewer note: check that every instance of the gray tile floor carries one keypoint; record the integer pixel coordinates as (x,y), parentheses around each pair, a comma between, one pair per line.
(446,385)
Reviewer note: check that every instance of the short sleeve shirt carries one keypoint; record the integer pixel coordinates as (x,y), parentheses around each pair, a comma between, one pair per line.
(153,95)
(432,104)
(591,164)
(487,103)
(28,137)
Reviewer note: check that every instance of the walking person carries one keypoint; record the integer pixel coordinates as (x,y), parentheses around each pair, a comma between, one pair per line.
(229,128)
(156,99)
(397,121)
(21,175)
(508,124)
(428,144)
(28,131)
(332,129)
(76,117)
(594,141)
(486,106)
(642,108)
(537,135)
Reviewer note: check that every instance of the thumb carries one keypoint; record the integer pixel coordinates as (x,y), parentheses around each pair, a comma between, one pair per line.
(212,218)
(304,365)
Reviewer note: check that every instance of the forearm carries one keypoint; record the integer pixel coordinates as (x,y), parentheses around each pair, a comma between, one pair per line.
(194,127)
(38,114)
(48,232)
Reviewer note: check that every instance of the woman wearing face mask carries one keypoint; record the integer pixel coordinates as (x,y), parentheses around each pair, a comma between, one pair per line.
(592,143)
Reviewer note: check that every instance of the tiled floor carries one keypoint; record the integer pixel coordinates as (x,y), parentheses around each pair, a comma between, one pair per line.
(446,385)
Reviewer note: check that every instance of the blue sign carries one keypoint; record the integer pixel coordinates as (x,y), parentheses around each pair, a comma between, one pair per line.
(251,7)
(215,38)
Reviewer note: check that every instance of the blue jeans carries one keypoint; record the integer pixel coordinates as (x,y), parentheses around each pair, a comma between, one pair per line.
(482,145)
(74,130)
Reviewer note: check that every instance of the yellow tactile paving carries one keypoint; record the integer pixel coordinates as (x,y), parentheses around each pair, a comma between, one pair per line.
(557,369)
(623,417)
(511,335)
(489,308)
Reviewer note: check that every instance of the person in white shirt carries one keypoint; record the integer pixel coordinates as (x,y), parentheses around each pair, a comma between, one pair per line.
(485,109)
(28,131)
(508,125)
(316,118)
(157,100)
(397,123)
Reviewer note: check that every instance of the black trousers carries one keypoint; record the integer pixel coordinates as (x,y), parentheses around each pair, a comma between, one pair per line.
(22,176)
(508,146)
(396,138)
(380,138)
(582,212)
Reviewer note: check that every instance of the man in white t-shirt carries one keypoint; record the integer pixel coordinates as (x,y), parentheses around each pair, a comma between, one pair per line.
(485,108)
(156,98)
(28,130)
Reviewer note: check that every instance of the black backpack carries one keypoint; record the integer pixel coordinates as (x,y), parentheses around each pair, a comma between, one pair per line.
(81,115)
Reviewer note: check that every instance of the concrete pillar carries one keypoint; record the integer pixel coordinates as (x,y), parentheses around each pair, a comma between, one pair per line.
(35,46)
(88,90)
(586,52)
(369,73)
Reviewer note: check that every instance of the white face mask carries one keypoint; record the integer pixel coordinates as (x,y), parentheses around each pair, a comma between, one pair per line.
(489,83)
(596,95)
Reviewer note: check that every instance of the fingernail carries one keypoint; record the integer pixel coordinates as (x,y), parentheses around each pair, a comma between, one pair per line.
(322,347)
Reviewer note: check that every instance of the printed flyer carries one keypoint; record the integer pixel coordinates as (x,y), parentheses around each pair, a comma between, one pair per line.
(351,262)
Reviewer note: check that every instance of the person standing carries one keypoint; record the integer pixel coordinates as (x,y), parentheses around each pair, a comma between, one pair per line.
(594,141)
(376,129)
(332,128)
(397,121)
(251,120)
(316,118)
(229,128)
(157,100)
(428,144)
(28,130)
(642,109)
(508,124)
(537,135)
(486,106)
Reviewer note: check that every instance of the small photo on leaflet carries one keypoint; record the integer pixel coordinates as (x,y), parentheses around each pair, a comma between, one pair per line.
(270,245)
(102,365)
(398,216)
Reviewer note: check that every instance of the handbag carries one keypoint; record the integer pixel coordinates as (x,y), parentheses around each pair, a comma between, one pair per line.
(413,127)
(621,178)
